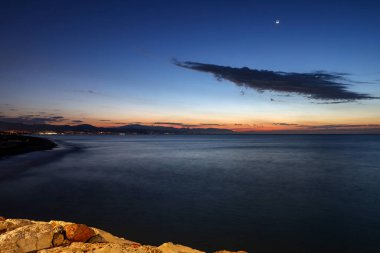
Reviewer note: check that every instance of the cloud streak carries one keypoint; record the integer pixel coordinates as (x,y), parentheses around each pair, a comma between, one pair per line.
(315,85)
(179,124)
(285,124)
(344,126)
(174,124)
(34,119)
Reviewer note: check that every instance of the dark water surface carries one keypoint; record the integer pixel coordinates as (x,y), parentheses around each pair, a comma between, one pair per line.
(294,193)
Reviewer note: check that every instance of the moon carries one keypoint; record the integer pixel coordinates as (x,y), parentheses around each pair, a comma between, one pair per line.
(277,22)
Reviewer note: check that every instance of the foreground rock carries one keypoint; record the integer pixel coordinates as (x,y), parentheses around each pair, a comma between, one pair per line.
(22,236)
(78,232)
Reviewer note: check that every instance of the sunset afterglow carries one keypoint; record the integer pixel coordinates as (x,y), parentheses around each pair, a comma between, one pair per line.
(112,67)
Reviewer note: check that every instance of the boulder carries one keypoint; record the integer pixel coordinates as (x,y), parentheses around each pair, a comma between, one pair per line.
(97,239)
(78,232)
(170,247)
(11,224)
(27,238)
(58,240)
(78,247)
(113,239)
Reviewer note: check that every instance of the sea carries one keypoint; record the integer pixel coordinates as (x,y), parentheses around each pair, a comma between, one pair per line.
(259,193)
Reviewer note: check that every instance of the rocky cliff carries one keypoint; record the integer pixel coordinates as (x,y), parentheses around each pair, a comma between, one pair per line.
(22,236)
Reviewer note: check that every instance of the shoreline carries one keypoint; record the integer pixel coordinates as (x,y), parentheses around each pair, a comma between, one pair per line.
(16,160)
(11,145)
(24,236)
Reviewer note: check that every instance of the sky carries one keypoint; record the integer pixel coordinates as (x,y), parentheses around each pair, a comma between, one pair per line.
(208,63)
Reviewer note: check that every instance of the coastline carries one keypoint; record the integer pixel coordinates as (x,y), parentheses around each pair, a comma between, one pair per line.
(25,155)
(11,145)
(24,236)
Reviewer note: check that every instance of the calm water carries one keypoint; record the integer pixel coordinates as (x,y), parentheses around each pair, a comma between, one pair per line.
(259,193)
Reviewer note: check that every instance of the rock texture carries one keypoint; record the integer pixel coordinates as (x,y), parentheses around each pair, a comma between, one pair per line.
(169,247)
(26,236)
(78,232)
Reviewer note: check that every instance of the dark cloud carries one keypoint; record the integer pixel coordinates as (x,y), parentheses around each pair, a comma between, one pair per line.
(77,121)
(330,126)
(87,91)
(211,124)
(344,126)
(104,120)
(285,124)
(91,92)
(32,119)
(315,85)
(333,102)
(56,118)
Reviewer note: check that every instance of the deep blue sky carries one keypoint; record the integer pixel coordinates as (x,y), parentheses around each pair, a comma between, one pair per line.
(93,60)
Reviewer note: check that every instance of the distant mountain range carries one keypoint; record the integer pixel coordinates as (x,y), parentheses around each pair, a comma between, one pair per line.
(127,129)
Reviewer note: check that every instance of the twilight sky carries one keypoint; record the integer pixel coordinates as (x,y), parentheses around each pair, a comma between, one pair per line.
(192,63)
